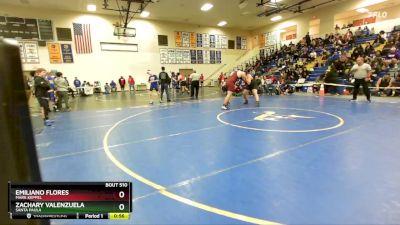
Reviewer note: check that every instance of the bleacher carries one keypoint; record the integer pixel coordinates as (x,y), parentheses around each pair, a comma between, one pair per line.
(318,71)
(362,40)
(315,72)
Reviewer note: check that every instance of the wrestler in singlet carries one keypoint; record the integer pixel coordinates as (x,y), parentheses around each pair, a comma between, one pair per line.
(230,82)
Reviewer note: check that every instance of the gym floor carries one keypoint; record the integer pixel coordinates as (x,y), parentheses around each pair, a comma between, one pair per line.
(295,160)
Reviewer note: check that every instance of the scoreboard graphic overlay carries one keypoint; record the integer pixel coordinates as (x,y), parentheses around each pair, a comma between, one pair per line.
(70,200)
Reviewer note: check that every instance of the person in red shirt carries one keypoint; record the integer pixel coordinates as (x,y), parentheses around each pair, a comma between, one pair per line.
(183,84)
(122,83)
(201,80)
(131,83)
(231,87)
(220,78)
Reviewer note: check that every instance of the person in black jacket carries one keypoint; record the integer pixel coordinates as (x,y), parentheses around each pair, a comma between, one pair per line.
(42,86)
(165,80)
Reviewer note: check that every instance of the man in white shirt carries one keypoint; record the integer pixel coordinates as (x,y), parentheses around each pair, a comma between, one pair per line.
(362,75)
(195,84)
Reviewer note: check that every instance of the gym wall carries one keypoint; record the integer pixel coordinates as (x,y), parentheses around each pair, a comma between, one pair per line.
(106,66)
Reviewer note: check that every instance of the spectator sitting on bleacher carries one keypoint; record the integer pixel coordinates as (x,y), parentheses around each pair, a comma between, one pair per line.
(113,86)
(372,31)
(365,31)
(369,49)
(107,88)
(396,83)
(379,40)
(383,86)
(358,33)
(391,57)
(358,51)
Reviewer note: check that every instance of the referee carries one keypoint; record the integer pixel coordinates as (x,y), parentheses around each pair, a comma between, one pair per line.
(194,77)
(362,75)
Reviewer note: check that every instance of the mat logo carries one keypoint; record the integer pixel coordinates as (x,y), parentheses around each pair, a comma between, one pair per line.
(273,116)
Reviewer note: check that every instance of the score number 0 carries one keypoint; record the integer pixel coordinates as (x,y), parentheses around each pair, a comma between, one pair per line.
(121,206)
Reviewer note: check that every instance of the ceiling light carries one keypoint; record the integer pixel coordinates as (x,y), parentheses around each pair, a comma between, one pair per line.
(206,7)
(276,18)
(367,3)
(222,23)
(145,14)
(91,7)
(362,10)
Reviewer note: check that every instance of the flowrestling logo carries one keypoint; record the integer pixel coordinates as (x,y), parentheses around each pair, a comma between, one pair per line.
(273,116)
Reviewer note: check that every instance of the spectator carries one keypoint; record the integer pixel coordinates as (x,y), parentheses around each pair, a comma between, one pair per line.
(365,31)
(122,83)
(165,80)
(131,83)
(383,85)
(392,57)
(113,86)
(69,88)
(183,83)
(62,92)
(194,77)
(358,33)
(77,84)
(396,84)
(369,49)
(153,91)
(379,40)
(42,87)
(201,80)
(308,39)
(221,76)
(372,31)
(332,78)
(107,89)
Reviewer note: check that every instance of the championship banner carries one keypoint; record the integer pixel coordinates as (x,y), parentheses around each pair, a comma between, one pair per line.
(193,56)
(54,53)
(199,40)
(262,40)
(218,41)
(31,52)
(22,52)
(171,56)
(199,56)
(238,42)
(66,50)
(212,41)
(266,42)
(186,56)
(185,39)
(212,56)
(244,43)
(224,41)
(206,57)
(193,40)
(179,56)
(178,39)
(163,55)
(206,41)
(218,57)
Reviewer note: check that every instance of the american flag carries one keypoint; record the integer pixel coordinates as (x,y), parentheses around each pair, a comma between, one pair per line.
(83,43)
